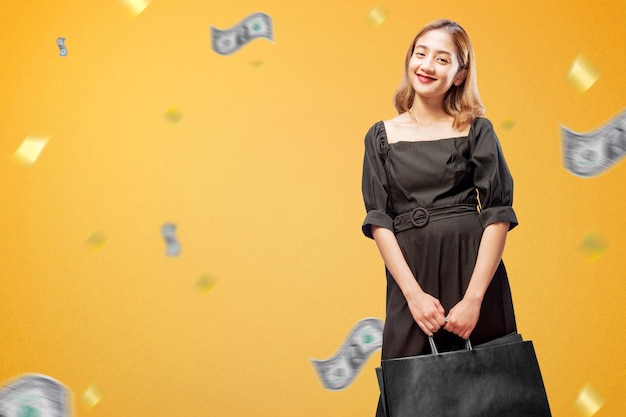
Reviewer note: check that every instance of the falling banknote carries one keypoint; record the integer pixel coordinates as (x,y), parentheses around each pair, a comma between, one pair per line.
(61,45)
(589,154)
(338,372)
(34,395)
(257,25)
(168,230)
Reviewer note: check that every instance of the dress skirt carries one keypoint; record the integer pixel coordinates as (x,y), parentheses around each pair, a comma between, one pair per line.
(442,255)
(453,243)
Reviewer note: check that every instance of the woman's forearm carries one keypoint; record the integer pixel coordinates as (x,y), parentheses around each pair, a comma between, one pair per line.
(488,259)
(463,317)
(394,260)
(425,309)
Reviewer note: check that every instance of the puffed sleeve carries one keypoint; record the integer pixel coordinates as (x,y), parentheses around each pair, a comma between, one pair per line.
(491,176)
(374,183)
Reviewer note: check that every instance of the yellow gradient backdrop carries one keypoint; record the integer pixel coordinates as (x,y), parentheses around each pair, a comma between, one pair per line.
(261,175)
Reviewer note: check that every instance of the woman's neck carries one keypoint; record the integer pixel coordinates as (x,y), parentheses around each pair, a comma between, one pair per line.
(428,111)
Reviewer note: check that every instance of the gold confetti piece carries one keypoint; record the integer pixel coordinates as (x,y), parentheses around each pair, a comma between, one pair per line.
(205,283)
(377,16)
(593,246)
(582,75)
(96,241)
(589,401)
(30,149)
(508,124)
(135,7)
(173,115)
(91,396)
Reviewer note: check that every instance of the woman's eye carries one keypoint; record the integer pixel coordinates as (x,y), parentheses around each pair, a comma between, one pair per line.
(443,60)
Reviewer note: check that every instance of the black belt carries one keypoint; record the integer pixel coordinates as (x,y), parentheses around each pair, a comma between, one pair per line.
(420,216)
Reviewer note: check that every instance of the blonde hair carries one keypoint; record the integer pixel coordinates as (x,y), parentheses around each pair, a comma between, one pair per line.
(461,102)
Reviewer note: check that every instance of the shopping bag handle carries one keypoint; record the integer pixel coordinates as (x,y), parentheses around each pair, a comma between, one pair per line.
(433,347)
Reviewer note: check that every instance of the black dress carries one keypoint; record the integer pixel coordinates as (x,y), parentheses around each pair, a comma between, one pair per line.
(438,196)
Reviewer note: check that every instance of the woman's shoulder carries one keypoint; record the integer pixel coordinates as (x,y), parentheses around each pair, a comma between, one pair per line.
(398,121)
(400,118)
(481,122)
(483,134)
(398,126)
(375,138)
(481,127)
(376,131)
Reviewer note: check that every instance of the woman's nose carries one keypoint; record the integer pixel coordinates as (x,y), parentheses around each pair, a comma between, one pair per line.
(427,64)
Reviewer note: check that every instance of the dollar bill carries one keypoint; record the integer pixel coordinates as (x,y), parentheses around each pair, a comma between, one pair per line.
(339,371)
(61,45)
(168,230)
(589,154)
(256,25)
(34,395)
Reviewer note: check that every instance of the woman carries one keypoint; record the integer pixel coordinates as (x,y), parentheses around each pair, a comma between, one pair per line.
(438,196)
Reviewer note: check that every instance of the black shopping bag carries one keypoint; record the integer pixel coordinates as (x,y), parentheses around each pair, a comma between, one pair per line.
(497,379)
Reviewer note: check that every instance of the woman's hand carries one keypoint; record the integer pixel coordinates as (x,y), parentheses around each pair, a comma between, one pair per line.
(426,311)
(463,317)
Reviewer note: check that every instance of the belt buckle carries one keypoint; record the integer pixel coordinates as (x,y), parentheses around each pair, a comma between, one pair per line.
(422,222)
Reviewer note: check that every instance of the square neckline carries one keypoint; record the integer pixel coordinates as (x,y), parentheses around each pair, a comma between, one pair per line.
(384,130)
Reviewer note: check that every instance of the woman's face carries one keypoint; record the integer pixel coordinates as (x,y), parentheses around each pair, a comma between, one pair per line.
(434,67)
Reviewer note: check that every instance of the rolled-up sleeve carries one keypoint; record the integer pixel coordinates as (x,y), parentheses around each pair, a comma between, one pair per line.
(374,183)
(491,176)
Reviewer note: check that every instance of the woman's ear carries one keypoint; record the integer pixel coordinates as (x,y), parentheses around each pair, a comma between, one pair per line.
(460,77)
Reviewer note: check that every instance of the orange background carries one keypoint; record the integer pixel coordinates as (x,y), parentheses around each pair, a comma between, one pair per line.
(262,177)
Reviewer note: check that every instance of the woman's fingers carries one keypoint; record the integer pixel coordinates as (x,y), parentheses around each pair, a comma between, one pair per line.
(426,328)
(453,326)
(461,329)
(427,312)
(441,310)
(431,325)
(462,318)
(435,322)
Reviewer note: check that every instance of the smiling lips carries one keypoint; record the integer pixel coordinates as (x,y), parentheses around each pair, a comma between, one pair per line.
(425,78)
